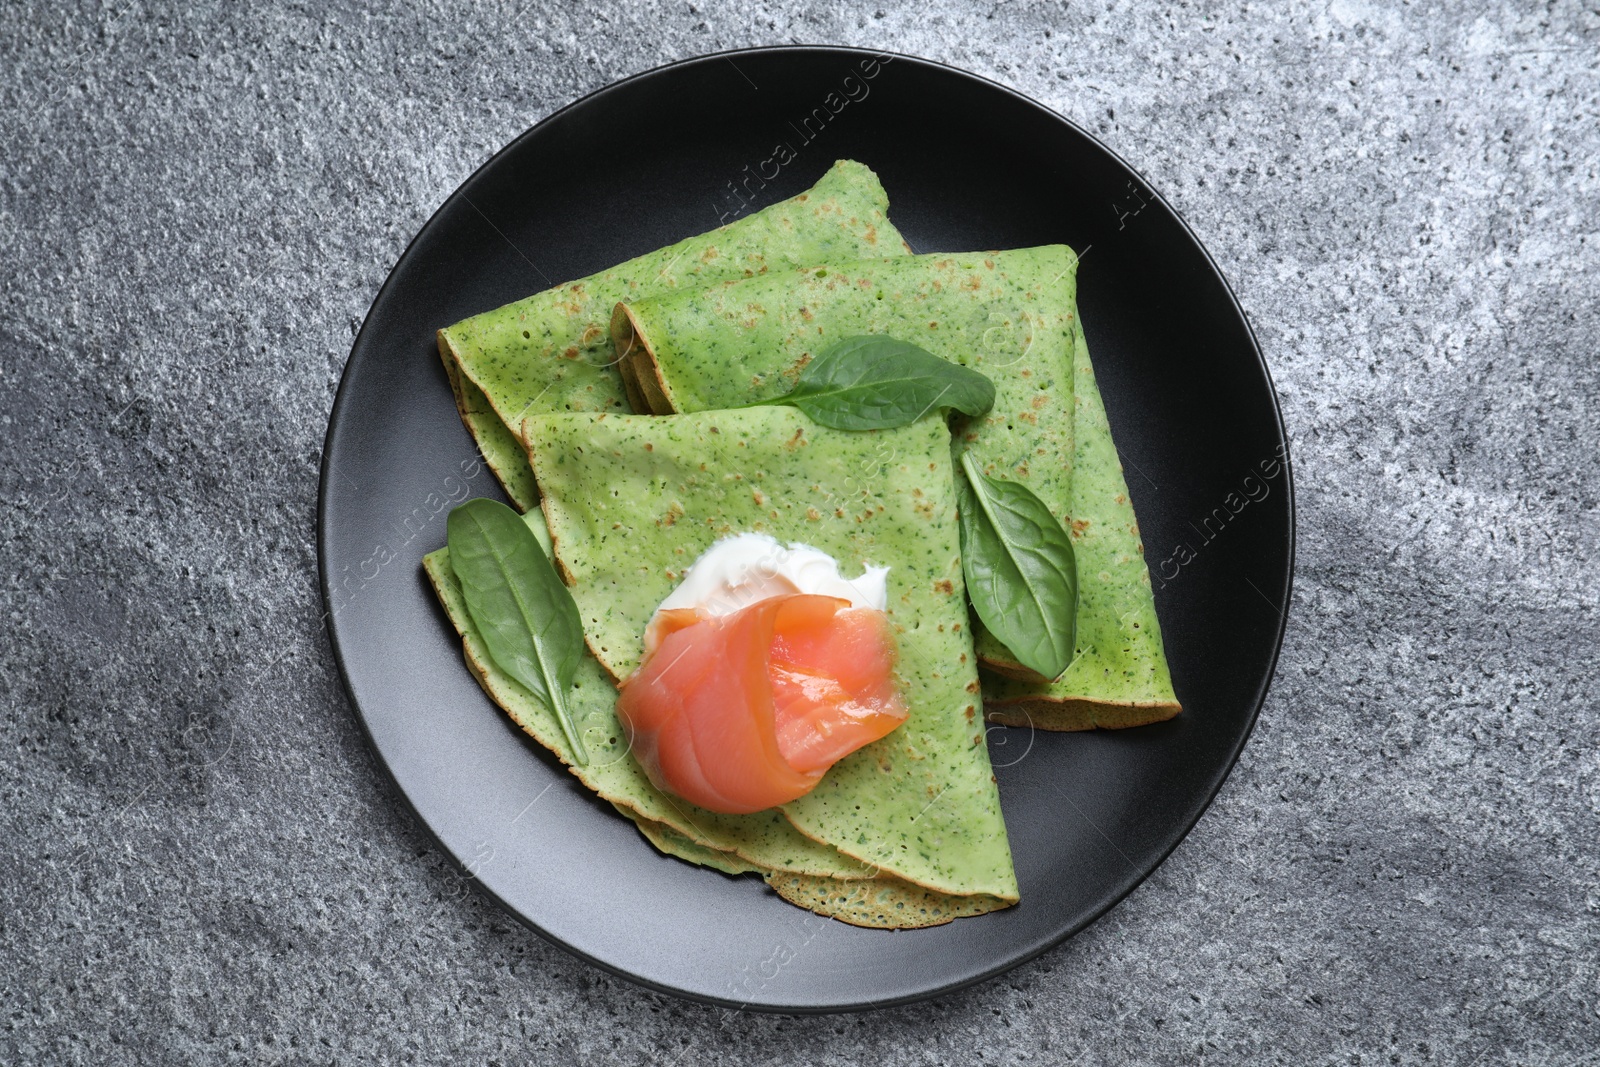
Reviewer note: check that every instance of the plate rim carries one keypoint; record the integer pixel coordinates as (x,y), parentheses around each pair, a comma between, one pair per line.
(326,477)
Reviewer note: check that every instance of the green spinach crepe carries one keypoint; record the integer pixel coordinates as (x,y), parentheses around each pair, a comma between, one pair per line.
(552,351)
(883,901)
(764,840)
(632,501)
(807,873)
(1011,315)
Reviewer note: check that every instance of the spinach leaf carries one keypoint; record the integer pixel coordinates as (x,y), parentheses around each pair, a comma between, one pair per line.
(527,617)
(879,383)
(1021,570)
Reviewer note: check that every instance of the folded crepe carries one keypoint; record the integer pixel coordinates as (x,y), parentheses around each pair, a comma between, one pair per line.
(806,872)
(632,501)
(552,351)
(766,840)
(1120,676)
(884,901)
(1011,315)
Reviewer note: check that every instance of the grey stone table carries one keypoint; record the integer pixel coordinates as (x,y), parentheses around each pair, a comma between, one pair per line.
(202,861)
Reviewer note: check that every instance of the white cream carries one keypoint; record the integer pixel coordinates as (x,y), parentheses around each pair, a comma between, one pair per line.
(743,568)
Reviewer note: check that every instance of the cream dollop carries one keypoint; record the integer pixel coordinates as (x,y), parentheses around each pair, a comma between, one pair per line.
(741,569)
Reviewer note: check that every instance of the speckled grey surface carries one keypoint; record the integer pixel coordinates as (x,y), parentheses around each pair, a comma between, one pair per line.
(202,863)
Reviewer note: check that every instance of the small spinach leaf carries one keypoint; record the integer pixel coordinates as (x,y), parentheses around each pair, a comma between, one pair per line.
(1021,570)
(879,383)
(527,617)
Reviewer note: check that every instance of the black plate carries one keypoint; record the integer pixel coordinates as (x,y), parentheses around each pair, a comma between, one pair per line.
(968,164)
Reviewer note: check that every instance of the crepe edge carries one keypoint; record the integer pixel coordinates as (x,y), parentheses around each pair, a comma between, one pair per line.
(548,505)
(669,842)
(1069,714)
(459,384)
(1011,897)
(550,509)
(871,903)
(881,903)
(637,361)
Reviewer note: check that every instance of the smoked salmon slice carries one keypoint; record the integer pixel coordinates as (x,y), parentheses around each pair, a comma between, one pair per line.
(742,712)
